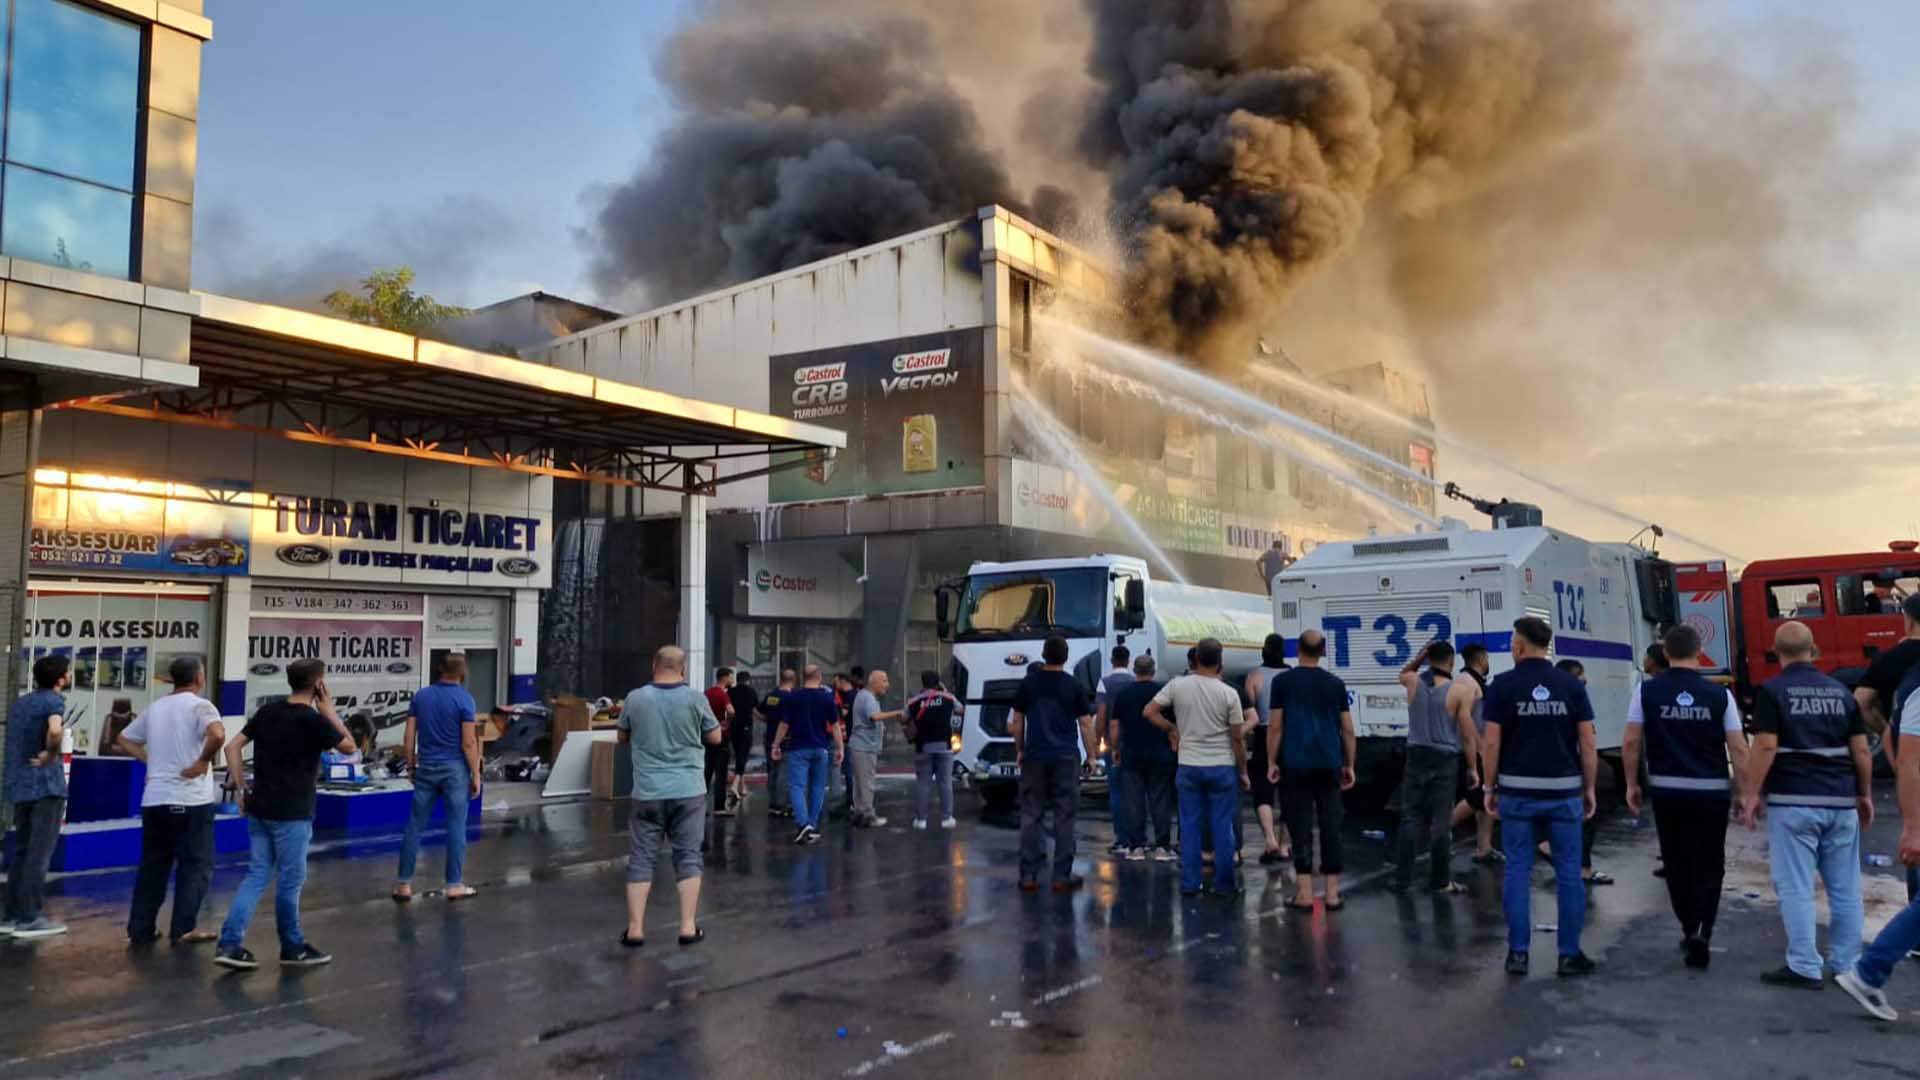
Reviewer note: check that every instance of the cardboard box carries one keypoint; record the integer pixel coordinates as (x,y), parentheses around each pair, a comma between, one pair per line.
(570,714)
(600,782)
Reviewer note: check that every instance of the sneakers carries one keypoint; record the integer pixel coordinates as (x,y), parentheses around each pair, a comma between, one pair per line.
(1029,886)
(875,821)
(238,959)
(1517,963)
(1575,965)
(1138,854)
(1786,976)
(1869,997)
(949,823)
(6,929)
(1161,854)
(810,835)
(1697,952)
(41,927)
(1070,883)
(1117,848)
(920,823)
(308,956)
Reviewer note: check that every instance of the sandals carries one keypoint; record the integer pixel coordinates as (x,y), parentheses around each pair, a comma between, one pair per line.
(401,897)
(699,935)
(196,937)
(631,942)
(1336,905)
(465,892)
(1295,905)
(1490,858)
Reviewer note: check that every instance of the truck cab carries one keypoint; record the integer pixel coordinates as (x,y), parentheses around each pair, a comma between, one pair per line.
(1000,614)
(1850,602)
(997,618)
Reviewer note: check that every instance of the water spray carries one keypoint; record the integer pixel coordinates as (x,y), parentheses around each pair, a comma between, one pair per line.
(1047,427)
(1198,387)
(1337,396)
(1324,463)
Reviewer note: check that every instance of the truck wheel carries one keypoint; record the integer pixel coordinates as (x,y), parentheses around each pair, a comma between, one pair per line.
(999,796)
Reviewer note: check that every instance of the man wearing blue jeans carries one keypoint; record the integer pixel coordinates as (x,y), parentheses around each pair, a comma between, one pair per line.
(1539,745)
(1901,936)
(1211,744)
(287,737)
(1810,759)
(443,748)
(808,726)
(1103,698)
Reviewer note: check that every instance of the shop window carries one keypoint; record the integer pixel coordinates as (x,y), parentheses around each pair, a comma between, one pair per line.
(72,107)
(1798,599)
(1876,594)
(121,639)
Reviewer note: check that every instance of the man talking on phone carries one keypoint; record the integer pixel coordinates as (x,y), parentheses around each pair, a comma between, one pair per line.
(288,737)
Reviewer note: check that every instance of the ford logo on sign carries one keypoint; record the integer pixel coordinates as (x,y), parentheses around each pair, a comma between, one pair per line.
(1015,659)
(264,669)
(399,667)
(518,567)
(302,554)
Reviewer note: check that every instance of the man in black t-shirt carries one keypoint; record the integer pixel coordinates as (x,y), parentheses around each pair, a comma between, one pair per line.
(288,737)
(1875,692)
(1052,722)
(745,701)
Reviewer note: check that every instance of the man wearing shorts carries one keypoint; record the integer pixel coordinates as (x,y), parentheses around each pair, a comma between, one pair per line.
(668,726)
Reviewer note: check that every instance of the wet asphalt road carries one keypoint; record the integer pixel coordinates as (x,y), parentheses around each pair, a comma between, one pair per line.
(920,947)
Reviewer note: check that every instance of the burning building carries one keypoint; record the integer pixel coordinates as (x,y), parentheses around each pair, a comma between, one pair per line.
(916,347)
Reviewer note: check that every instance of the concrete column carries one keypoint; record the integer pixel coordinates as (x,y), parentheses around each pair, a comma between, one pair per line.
(19,453)
(891,562)
(693,586)
(524,648)
(230,694)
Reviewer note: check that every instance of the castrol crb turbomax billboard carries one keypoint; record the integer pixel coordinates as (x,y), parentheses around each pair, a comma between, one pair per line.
(912,409)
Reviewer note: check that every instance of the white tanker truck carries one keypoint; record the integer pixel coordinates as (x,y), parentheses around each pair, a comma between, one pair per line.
(1000,613)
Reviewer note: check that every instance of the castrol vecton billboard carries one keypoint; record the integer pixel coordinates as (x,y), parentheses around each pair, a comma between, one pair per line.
(912,409)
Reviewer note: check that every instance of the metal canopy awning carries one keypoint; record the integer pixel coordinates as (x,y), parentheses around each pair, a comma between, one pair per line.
(296,375)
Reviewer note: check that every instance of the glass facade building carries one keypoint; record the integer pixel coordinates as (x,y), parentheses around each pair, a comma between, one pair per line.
(71,137)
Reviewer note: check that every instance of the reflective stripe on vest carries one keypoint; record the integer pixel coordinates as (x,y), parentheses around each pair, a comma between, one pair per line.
(1688,783)
(1834,801)
(1818,751)
(1542,783)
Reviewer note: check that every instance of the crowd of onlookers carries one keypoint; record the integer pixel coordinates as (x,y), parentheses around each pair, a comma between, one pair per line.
(1517,749)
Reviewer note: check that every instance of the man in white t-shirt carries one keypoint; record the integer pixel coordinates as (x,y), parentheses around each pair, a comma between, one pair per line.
(179,737)
(1211,744)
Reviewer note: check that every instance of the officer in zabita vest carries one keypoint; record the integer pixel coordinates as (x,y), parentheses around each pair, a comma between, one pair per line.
(1690,729)
(1810,759)
(1539,747)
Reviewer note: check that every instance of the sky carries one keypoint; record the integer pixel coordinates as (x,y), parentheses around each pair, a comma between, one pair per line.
(470,141)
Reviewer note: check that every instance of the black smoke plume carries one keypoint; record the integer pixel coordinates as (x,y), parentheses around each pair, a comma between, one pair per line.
(1248,140)
(797,138)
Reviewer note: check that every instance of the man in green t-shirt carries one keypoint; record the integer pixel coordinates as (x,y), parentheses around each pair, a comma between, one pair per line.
(667,725)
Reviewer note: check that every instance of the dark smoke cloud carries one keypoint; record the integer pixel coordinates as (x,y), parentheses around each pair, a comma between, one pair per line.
(456,245)
(797,138)
(1248,140)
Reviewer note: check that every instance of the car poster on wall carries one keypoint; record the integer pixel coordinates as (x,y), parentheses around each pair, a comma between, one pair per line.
(373,665)
(87,522)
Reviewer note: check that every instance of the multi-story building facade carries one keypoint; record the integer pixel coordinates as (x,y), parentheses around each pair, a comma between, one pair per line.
(914,347)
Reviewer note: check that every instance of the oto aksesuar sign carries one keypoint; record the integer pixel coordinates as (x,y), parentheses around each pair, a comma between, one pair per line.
(912,409)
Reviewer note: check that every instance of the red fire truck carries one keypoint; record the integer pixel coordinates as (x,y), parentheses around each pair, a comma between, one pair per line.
(1850,602)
